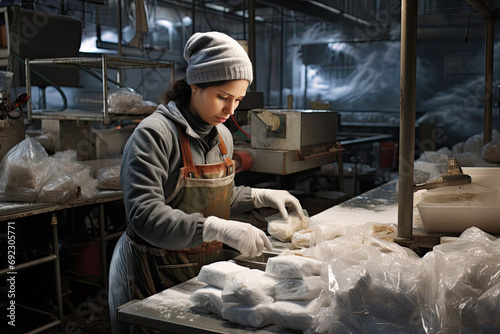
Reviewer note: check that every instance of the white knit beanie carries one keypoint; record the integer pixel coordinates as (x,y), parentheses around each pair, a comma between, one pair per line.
(214,56)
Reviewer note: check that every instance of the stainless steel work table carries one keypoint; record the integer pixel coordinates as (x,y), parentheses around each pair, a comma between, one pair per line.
(171,311)
(11,211)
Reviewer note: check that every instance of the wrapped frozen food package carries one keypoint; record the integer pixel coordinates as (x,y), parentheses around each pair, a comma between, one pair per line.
(306,288)
(208,298)
(293,266)
(250,287)
(282,229)
(248,315)
(295,315)
(218,274)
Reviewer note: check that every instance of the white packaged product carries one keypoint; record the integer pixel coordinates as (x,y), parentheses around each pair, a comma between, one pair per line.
(283,230)
(296,315)
(219,273)
(247,315)
(293,266)
(306,288)
(208,298)
(250,287)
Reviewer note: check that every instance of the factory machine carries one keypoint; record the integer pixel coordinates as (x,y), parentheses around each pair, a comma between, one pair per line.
(289,141)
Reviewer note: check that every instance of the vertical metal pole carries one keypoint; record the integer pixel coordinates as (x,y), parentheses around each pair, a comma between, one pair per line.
(252,42)
(193,17)
(488,78)
(57,269)
(407,120)
(27,72)
(282,58)
(104,65)
(120,26)
(102,242)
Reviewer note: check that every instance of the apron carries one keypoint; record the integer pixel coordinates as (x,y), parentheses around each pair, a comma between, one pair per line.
(205,189)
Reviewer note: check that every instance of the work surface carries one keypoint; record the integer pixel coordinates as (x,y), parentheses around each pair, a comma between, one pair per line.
(171,310)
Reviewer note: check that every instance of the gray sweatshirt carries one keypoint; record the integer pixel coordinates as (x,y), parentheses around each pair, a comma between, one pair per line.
(149,171)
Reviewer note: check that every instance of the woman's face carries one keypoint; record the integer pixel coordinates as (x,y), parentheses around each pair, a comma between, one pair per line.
(215,104)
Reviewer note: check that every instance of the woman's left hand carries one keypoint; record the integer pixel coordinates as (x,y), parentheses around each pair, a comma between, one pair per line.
(277,199)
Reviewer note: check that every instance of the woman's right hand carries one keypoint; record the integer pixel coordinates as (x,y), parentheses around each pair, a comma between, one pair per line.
(247,239)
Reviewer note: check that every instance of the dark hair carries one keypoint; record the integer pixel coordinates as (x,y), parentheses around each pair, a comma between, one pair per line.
(180,91)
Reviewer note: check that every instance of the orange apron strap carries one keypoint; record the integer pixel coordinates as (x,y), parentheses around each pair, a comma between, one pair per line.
(228,162)
(187,157)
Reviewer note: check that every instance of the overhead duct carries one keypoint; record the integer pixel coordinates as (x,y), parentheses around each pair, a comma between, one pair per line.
(317,9)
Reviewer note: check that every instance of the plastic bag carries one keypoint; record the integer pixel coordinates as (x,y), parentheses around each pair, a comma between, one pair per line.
(208,298)
(247,315)
(24,169)
(465,270)
(283,230)
(296,315)
(250,287)
(28,174)
(307,288)
(288,265)
(373,291)
(109,178)
(491,151)
(218,274)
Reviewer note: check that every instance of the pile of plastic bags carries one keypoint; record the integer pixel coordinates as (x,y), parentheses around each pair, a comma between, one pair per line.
(385,288)
(29,174)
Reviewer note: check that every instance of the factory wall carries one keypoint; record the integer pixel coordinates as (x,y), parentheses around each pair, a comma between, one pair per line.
(348,61)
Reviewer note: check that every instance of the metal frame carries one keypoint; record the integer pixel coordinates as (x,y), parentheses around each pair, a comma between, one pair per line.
(104,62)
(12,211)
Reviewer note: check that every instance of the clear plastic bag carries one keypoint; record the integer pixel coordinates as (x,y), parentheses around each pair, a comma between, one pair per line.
(252,287)
(208,298)
(247,315)
(109,178)
(491,152)
(306,288)
(282,229)
(28,174)
(288,265)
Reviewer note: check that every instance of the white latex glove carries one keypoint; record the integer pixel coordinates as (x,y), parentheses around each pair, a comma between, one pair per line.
(247,239)
(277,199)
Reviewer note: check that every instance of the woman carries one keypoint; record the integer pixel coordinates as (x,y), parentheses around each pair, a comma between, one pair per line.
(177,179)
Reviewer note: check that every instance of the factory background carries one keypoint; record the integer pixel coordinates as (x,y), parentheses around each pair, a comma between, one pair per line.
(336,55)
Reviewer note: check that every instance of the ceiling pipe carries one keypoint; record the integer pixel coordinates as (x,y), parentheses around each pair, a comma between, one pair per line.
(316,9)
(489,17)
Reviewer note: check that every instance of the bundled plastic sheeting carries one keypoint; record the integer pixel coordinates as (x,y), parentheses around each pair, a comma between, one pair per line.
(296,315)
(293,266)
(488,310)
(373,292)
(306,288)
(465,271)
(250,287)
(208,298)
(248,315)
(218,274)
(388,289)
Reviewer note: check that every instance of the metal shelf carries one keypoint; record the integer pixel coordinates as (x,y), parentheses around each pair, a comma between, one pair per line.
(104,62)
